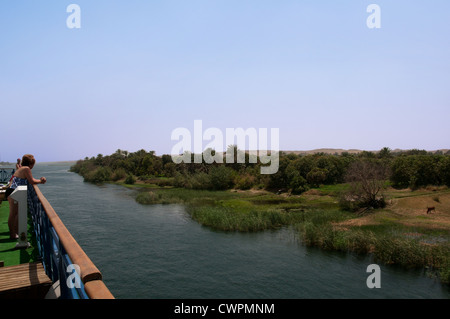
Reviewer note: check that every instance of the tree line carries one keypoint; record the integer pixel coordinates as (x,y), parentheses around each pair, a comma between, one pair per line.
(296,173)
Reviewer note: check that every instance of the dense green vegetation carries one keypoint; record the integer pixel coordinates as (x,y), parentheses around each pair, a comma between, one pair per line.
(296,174)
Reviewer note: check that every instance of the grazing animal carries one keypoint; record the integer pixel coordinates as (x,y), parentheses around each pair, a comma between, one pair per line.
(429,209)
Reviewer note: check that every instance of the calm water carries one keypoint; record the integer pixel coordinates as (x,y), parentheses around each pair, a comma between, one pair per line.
(159,252)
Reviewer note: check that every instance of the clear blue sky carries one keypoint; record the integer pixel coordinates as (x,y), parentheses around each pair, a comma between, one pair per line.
(136,70)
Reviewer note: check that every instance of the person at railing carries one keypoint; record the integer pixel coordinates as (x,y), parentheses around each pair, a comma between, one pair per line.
(18,165)
(22,176)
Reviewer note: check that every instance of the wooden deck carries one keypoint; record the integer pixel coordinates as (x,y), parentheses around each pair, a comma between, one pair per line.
(27,281)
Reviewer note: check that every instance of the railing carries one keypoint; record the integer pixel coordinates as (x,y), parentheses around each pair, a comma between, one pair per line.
(63,259)
(5,174)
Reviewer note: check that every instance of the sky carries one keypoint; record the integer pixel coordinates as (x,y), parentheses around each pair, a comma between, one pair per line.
(137,70)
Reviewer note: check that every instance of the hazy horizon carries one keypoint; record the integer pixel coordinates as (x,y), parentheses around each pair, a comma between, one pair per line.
(318,150)
(135,71)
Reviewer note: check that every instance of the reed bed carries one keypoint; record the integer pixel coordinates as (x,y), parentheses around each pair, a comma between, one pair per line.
(388,244)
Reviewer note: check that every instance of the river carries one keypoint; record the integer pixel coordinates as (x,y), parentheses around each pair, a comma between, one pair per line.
(158,251)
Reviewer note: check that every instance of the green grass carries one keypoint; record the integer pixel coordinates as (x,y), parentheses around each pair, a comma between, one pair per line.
(241,215)
(8,254)
(404,193)
(332,190)
(229,218)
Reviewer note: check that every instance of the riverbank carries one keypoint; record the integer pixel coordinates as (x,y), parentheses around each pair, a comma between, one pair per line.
(402,233)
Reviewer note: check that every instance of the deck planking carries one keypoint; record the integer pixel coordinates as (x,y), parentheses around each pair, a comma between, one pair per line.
(24,281)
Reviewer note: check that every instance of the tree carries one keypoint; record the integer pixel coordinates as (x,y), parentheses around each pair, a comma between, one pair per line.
(415,171)
(297,183)
(385,152)
(221,177)
(367,180)
(280,179)
(444,170)
(317,176)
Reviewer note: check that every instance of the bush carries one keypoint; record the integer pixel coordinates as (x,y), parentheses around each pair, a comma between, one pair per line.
(347,202)
(98,176)
(165,182)
(179,180)
(317,176)
(148,198)
(118,174)
(298,184)
(221,178)
(200,181)
(245,182)
(130,180)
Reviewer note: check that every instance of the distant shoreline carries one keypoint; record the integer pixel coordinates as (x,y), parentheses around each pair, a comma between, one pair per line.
(57,162)
(331,151)
(354,151)
(12,165)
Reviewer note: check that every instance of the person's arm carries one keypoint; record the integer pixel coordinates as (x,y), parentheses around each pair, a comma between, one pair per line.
(32,180)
